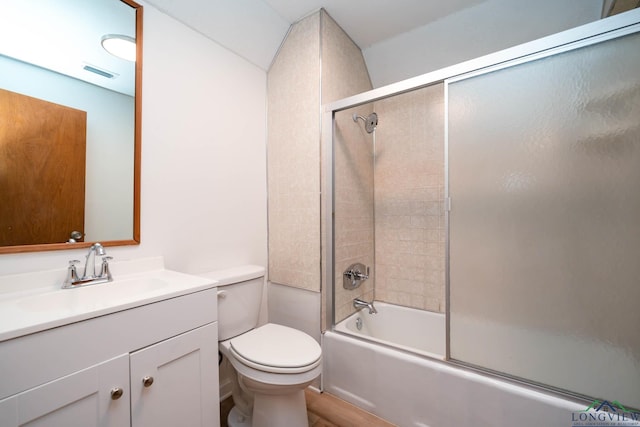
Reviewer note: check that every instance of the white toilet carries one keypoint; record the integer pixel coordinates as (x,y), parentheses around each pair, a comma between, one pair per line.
(273,363)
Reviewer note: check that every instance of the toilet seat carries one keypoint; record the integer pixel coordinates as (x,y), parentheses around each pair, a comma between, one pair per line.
(276,349)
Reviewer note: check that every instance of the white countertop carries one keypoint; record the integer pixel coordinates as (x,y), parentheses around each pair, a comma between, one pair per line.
(34,302)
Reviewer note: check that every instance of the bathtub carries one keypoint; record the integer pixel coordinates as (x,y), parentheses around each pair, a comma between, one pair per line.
(407,385)
(405,328)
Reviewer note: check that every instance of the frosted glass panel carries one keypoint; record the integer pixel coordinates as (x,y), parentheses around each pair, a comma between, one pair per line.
(544,177)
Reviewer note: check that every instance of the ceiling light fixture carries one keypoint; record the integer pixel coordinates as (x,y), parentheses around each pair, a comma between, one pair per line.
(121,46)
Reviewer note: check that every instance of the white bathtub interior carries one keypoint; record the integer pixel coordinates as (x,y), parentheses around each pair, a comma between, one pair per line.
(409,329)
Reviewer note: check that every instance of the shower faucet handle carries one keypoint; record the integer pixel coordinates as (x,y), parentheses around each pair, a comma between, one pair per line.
(354,275)
(360,275)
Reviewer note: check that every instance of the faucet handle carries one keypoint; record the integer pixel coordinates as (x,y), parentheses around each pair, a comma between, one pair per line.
(354,275)
(72,265)
(72,274)
(360,275)
(105,271)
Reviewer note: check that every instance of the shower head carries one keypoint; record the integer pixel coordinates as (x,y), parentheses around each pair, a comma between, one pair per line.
(370,122)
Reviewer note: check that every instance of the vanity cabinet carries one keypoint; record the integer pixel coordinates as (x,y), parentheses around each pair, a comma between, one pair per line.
(153,365)
(175,382)
(82,399)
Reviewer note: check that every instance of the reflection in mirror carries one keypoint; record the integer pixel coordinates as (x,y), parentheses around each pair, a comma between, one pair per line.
(69,125)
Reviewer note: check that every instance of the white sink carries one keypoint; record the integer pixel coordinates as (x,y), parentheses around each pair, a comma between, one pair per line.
(26,308)
(92,296)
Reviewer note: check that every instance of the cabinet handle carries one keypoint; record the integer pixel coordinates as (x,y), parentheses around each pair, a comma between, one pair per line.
(116,393)
(147,381)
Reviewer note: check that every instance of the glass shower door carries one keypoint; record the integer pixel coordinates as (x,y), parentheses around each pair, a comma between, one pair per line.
(544,227)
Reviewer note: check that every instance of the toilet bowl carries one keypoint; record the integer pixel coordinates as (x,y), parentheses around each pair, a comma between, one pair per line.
(272,364)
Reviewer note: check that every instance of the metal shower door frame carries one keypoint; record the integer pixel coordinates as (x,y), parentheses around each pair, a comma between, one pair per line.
(585,35)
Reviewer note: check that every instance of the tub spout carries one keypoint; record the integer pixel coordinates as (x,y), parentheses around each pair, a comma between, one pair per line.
(358,303)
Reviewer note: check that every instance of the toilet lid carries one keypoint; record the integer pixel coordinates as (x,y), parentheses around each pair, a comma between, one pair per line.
(277,348)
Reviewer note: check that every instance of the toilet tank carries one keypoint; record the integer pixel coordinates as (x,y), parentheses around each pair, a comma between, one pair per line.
(239,299)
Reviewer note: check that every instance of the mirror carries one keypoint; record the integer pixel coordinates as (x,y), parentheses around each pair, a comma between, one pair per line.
(53,66)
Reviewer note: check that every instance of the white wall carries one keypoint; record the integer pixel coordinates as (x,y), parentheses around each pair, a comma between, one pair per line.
(203,157)
(488,27)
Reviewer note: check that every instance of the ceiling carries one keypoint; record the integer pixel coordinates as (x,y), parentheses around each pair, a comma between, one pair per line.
(39,31)
(65,36)
(371,21)
(254,29)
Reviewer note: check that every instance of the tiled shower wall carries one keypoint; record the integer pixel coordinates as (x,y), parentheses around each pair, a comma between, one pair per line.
(409,195)
(293,166)
(344,73)
(394,201)
(318,63)
(353,201)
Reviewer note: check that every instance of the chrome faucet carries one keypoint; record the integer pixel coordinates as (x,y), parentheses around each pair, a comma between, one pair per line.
(358,303)
(96,250)
(89,276)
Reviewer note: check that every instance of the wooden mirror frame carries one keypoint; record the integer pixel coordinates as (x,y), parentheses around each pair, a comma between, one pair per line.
(137,158)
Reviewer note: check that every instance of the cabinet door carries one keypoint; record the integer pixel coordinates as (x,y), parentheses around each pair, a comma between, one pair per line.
(175,382)
(82,399)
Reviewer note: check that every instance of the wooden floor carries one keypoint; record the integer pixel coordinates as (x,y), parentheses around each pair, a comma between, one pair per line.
(324,410)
